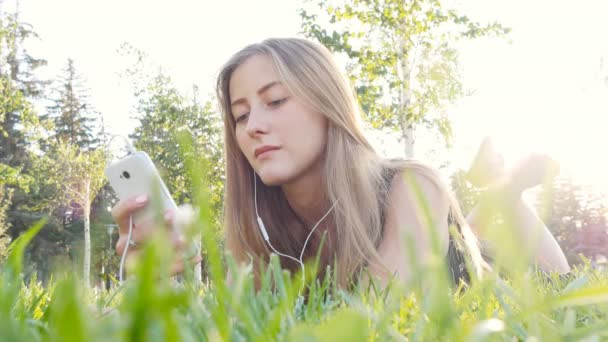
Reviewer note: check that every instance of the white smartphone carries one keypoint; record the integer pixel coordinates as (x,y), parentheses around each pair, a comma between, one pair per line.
(136,174)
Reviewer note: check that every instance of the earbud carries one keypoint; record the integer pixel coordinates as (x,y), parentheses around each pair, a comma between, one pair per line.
(263,228)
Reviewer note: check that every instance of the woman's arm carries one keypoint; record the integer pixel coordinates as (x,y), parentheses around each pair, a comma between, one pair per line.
(410,222)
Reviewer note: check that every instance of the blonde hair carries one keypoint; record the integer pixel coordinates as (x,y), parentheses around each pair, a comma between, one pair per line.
(353,173)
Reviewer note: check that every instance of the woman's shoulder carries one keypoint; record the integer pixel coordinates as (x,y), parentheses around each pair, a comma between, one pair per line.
(413,188)
(412,173)
(413,181)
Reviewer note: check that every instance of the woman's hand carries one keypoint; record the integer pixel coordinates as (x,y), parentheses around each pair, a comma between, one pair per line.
(143,230)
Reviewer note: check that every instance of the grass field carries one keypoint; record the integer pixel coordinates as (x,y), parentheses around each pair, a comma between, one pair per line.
(150,306)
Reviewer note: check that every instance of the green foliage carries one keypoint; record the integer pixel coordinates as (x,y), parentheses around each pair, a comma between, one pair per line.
(61,175)
(18,87)
(5,201)
(73,117)
(70,169)
(16,62)
(402,58)
(574,213)
(16,114)
(14,177)
(20,128)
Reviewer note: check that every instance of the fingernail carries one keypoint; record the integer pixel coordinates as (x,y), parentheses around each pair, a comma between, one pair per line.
(141,199)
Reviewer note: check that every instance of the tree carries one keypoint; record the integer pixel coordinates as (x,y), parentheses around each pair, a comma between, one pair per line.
(75,123)
(18,87)
(78,176)
(71,131)
(576,215)
(164,114)
(402,58)
(22,173)
(73,116)
(16,62)
(19,125)
(16,115)
(5,201)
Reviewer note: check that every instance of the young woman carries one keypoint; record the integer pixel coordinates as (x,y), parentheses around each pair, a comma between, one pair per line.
(300,168)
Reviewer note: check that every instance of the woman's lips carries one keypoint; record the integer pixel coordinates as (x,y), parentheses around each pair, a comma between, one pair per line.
(264,149)
(266,154)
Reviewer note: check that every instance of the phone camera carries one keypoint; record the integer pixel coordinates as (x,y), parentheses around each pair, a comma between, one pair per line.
(126,175)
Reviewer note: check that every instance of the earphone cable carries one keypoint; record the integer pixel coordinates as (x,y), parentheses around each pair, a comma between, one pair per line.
(124,252)
(267,238)
(255,194)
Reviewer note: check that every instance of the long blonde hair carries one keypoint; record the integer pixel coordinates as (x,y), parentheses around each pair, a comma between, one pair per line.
(353,173)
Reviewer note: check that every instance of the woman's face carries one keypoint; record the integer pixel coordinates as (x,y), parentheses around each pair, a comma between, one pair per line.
(269,118)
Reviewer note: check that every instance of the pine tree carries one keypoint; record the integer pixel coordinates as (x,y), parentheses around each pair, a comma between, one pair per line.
(18,119)
(5,201)
(73,116)
(18,87)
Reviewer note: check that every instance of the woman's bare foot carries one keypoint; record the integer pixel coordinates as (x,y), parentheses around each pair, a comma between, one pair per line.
(488,166)
(488,171)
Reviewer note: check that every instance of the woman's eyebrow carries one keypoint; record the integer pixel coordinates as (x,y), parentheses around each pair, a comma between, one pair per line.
(260,91)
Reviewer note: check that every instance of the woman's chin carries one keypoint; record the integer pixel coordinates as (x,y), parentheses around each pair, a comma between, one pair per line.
(271,178)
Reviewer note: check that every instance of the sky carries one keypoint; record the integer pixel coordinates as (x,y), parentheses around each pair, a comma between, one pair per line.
(542,89)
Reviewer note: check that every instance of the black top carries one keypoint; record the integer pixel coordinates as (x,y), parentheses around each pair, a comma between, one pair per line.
(456,252)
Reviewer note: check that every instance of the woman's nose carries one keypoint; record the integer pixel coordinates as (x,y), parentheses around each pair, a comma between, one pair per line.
(257,122)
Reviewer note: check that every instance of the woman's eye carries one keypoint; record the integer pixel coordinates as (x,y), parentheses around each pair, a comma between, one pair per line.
(277,102)
(241,118)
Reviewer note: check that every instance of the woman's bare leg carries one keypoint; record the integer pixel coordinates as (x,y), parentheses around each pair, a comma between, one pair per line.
(504,197)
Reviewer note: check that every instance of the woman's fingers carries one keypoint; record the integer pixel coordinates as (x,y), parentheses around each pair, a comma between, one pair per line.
(180,265)
(131,259)
(124,209)
(120,244)
(141,232)
(174,221)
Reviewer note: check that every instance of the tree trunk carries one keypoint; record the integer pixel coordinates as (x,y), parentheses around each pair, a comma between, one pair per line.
(87,233)
(407,123)
(198,268)
(408,137)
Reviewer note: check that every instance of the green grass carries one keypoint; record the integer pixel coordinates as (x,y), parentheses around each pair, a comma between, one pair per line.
(150,306)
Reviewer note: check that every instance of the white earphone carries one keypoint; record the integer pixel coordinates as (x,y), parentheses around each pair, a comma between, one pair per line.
(267,238)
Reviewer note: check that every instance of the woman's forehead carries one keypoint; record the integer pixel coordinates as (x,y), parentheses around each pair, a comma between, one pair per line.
(251,76)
